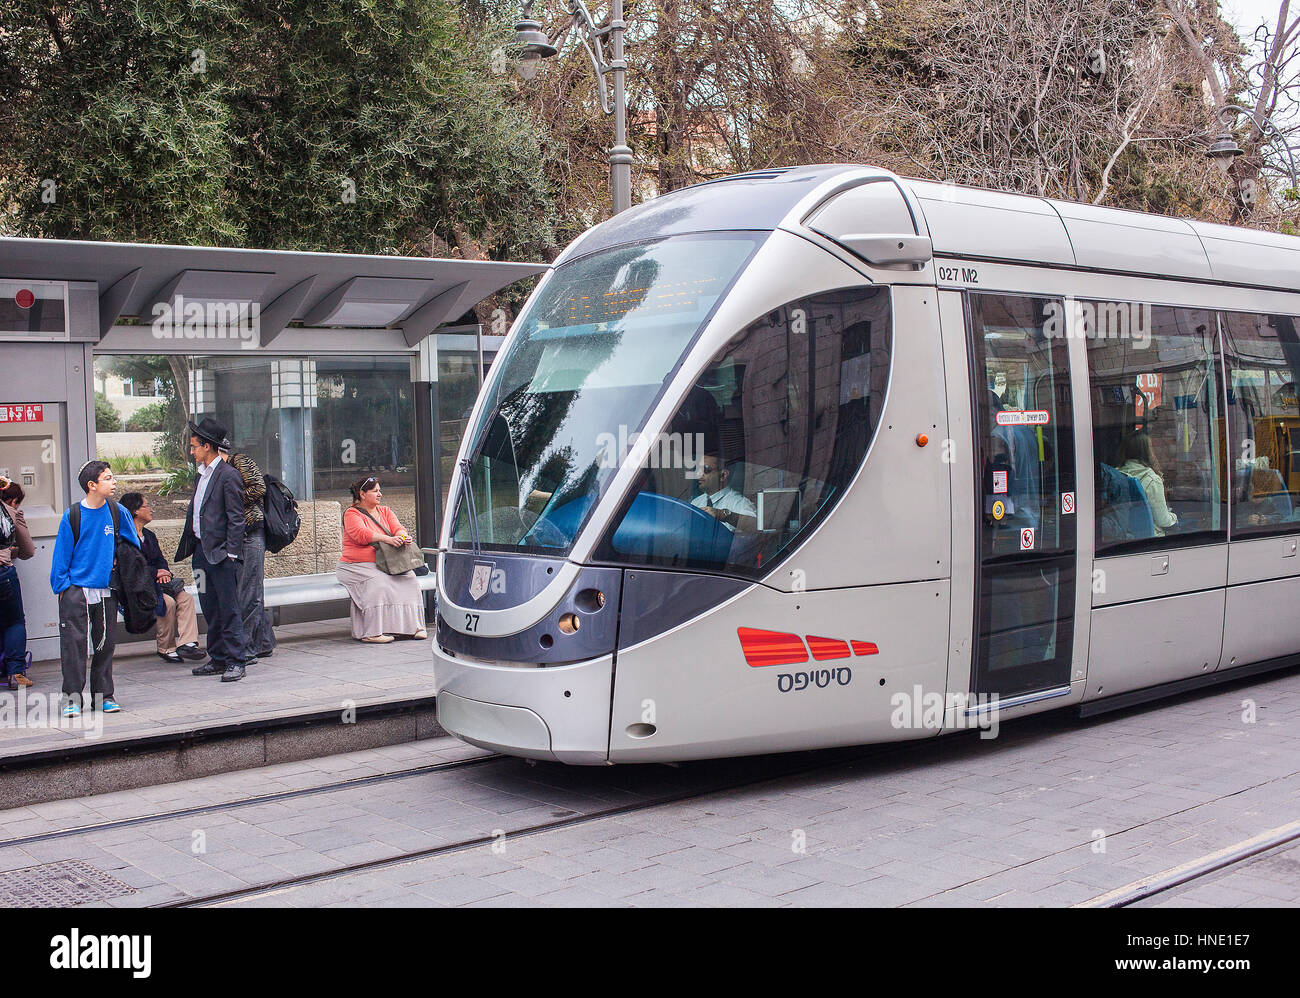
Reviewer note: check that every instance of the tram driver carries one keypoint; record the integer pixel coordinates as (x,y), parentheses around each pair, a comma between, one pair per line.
(719,499)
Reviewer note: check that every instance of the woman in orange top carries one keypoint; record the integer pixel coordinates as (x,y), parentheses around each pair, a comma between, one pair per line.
(382,605)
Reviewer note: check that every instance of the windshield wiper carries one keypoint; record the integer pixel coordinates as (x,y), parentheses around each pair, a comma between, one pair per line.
(466,492)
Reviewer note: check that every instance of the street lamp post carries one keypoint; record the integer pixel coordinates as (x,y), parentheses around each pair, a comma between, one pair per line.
(1224,150)
(535,46)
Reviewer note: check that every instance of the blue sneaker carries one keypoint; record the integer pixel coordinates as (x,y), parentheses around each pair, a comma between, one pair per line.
(71,709)
(110,706)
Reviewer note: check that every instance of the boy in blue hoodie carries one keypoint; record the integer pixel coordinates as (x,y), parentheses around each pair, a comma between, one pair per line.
(80,576)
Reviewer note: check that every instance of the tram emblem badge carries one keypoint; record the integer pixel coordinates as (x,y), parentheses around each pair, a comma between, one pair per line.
(478,585)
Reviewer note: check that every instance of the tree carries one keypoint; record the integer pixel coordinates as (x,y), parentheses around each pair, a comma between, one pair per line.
(171,375)
(107,418)
(150,419)
(321,125)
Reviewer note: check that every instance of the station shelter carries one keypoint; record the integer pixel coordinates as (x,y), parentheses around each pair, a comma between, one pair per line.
(324,367)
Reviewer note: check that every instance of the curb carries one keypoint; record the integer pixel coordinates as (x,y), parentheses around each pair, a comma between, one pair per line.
(150,760)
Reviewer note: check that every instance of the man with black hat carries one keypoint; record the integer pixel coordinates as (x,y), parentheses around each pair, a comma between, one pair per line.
(214,535)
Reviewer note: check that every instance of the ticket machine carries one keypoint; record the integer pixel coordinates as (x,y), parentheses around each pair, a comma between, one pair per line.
(31,454)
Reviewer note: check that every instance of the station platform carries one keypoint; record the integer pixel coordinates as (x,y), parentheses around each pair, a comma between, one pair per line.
(320,692)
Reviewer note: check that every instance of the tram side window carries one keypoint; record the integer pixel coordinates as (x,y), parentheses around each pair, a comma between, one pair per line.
(766,441)
(1157,432)
(1263,360)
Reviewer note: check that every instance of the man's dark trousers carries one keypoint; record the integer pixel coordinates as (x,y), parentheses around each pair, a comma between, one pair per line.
(219,598)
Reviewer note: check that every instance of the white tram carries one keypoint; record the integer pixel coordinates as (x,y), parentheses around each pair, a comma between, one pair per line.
(823,456)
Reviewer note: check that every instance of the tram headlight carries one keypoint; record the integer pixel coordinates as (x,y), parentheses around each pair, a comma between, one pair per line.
(569,623)
(589,600)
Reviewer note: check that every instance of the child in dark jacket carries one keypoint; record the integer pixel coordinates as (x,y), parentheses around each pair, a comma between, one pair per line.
(80,576)
(13,622)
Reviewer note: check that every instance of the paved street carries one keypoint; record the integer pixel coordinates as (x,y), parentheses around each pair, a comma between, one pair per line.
(1054,812)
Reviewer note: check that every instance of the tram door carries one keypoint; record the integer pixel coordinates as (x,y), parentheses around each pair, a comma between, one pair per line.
(1024,482)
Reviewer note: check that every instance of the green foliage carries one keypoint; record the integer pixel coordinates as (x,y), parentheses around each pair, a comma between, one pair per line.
(150,419)
(134,465)
(182,479)
(304,124)
(107,419)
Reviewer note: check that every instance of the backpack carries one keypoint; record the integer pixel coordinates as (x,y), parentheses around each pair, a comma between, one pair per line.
(280,511)
(134,579)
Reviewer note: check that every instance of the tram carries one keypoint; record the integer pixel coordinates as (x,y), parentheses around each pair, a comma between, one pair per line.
(823,456)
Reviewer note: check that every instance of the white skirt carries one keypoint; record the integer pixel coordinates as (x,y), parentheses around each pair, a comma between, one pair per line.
(381,603)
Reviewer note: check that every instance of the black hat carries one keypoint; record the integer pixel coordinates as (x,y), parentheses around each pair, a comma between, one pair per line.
(208,430)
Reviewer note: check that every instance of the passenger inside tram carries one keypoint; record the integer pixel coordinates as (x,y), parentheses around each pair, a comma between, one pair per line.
(1139,462)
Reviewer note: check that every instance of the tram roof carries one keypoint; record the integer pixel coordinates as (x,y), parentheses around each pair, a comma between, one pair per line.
(973,223)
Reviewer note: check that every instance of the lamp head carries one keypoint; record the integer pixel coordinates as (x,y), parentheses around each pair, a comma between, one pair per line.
(533,46)
(1223,151)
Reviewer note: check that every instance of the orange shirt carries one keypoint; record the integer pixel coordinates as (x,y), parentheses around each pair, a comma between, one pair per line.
(360,531)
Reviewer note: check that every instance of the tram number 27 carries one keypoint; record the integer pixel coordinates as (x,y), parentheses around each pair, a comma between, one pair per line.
(965,275)
(471,622)
(787,682)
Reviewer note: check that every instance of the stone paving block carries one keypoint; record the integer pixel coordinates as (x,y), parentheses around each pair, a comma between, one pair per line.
(577,897)
(460,889)
(560,867)
(334,836)
(698,860)
(731,896)
(301,862)
(825,895)
(765,880)
(525,882)
(607,883)
(146,896)
(14,858)
(363,852)
(658,898)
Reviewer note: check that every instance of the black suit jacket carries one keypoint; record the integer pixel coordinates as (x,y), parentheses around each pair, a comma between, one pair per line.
(152,551)
(221,519)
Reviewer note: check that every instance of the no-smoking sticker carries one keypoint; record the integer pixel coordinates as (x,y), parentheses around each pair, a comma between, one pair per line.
(1026,538)
(1067,503)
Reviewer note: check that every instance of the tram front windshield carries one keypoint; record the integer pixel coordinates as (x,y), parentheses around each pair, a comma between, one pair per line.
(567,397)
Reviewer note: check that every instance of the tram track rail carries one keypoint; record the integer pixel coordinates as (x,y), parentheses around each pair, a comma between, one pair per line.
(242,802)
(833,758)
(1198,869)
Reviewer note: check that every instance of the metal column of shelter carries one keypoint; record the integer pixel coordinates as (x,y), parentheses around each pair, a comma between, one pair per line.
(63,302)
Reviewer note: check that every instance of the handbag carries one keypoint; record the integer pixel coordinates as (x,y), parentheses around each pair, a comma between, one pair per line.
(391,560)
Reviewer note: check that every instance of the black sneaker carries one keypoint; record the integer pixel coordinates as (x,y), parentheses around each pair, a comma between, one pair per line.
(191,651)
(208,668)
(233,674)
(171,657)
